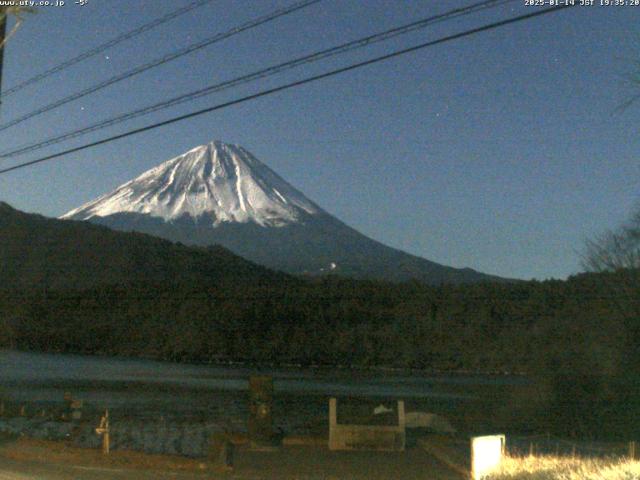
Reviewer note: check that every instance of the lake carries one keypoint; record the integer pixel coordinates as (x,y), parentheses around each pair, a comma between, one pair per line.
(152,398)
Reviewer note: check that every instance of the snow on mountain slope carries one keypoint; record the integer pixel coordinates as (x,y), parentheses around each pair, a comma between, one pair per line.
(220,194)
(219,181)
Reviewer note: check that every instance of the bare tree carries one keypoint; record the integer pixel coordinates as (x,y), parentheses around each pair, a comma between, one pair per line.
(618,250)
(632,81)
(615,250)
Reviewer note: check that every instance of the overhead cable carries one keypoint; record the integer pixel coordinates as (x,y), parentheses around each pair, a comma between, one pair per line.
(287,86)
(105,46)
(259,74)
(161,61)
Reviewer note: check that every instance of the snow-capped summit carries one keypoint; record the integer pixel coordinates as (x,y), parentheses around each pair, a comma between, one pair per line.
(218,181)
(220,194)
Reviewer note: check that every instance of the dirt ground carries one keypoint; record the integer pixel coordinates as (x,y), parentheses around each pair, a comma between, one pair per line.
(25,459)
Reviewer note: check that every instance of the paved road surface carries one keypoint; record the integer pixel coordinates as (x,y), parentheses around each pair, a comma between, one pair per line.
(299,463)
(12,470)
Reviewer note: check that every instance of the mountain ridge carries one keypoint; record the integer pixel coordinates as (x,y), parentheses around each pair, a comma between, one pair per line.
(54,254)
(221,194)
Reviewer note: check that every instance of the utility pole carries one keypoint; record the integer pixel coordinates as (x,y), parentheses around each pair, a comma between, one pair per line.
(3,33)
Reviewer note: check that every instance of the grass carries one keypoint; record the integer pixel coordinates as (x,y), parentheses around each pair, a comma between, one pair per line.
(566,468)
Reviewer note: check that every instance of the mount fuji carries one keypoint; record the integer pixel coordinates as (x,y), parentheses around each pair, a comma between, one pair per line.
(221,194)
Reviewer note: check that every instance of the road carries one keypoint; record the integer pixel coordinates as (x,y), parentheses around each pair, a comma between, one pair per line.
(14,470)
(54,462)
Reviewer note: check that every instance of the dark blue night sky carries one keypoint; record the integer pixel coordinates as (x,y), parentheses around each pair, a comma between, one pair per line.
(502,151)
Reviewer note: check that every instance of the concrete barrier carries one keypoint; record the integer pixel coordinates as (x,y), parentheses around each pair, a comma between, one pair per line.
(366,437)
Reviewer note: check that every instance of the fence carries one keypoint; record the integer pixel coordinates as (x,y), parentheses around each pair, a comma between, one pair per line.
(173,436)
(188,433)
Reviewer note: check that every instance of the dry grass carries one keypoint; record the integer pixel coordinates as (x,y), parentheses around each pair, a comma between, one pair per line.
(563,468)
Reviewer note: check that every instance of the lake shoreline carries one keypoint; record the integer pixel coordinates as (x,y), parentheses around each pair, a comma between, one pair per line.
(248,365)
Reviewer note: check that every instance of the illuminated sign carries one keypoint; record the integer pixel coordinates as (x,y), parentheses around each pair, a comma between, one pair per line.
(486,455)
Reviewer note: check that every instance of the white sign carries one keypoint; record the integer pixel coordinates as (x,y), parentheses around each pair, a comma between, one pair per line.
(486,455)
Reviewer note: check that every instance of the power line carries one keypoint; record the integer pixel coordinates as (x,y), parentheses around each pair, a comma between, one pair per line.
(266,72)
(101,48)
(162,60)
(263,93)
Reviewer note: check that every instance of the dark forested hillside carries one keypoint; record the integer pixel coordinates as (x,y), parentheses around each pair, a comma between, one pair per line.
(74,287)
(45,253)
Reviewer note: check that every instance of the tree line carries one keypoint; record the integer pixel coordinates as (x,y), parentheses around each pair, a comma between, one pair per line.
(584,324)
